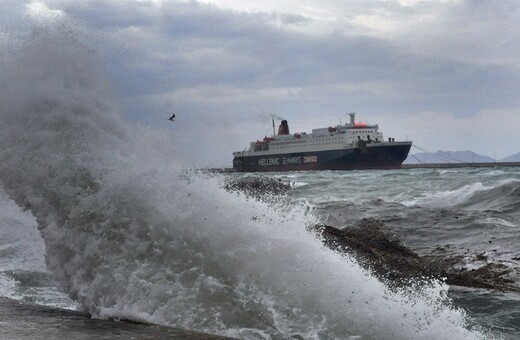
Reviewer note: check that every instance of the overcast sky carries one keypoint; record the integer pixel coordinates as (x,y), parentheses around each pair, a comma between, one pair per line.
(442,73)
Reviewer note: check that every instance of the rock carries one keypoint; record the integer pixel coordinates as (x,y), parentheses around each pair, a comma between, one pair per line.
(373,247)
(22,320)
(257,186)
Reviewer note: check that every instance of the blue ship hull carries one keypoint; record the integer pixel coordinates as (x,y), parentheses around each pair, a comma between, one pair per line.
(369,156)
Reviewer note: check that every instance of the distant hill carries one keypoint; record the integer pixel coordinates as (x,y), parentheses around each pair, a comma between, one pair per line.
(512,158)
(448,157)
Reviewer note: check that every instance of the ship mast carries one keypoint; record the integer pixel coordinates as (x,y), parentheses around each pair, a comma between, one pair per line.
(273,128)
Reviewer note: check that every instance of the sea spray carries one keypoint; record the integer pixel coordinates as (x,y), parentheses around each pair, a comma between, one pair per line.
(128,236)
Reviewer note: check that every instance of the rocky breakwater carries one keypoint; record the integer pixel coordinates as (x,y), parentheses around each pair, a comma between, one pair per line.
(377,250)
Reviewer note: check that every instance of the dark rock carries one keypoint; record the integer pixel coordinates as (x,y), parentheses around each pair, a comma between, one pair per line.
(22,320)
(257,186)
(373,247)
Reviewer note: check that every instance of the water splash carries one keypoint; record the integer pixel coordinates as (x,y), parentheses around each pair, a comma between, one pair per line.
(128,234)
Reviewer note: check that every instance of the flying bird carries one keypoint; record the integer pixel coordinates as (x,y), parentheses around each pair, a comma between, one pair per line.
(172,117)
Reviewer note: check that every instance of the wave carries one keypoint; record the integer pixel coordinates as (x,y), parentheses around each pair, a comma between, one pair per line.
(21,246)
(128,234)
(501,197)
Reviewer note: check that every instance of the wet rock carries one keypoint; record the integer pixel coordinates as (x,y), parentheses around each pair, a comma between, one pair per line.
(257,186)
(481,257)
(22,320)
(372,245)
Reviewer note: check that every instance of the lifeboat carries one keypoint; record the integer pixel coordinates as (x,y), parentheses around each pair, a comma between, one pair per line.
(297,135)
(268,139)
(360,125)
(332,129)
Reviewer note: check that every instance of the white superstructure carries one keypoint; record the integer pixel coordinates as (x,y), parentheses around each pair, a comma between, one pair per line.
(331,138)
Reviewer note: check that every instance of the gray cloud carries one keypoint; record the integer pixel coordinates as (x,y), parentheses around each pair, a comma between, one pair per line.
(188,44)
(228,67)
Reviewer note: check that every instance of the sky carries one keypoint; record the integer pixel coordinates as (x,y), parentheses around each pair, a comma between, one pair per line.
(442,73)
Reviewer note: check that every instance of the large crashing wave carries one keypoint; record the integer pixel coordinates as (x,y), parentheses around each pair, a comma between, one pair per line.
(127,234)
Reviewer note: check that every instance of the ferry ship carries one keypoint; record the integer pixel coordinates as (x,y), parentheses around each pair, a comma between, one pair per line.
(350,146)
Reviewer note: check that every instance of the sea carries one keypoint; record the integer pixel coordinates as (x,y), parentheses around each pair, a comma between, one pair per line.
(98,215)
(221,262)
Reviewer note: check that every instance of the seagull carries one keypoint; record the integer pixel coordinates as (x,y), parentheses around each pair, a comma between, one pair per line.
(172,117)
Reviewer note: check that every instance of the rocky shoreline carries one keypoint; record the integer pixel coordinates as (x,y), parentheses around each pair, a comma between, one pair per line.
(27,321)
(374,247)
(370,243)
(258,186)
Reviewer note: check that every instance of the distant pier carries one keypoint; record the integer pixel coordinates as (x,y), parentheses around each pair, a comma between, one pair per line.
(459,165)
(417,166)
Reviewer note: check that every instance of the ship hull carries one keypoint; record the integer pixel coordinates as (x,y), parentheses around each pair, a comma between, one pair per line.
(369,156)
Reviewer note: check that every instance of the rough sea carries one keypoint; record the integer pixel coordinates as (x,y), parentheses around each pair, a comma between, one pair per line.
(98,215)
(227,264)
